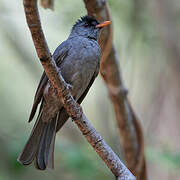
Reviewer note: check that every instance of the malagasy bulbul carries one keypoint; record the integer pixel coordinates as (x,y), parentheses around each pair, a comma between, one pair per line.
(78,59)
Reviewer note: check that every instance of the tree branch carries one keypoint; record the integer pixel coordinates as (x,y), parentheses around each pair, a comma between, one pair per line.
(129,127)
(62,89)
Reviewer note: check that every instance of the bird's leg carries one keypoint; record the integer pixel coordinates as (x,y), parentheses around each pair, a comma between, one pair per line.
(69,86)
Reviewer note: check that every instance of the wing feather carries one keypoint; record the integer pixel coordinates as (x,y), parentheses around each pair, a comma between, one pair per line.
(63,117)
(59,55)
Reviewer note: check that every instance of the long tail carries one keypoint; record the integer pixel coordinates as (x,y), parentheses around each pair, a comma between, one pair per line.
(40,145)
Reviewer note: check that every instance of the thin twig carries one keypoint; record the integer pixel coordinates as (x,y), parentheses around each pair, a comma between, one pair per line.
(62,89)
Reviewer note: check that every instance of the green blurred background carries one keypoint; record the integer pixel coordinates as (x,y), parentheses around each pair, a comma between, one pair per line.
(146,37)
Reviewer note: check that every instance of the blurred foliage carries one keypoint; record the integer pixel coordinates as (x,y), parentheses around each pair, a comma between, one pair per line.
(145,64)
(164,158)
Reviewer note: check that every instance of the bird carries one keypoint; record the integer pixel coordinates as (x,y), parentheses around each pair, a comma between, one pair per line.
(78,60)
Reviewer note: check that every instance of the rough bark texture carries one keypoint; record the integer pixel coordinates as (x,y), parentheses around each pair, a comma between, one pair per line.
(62,89)
(129,127)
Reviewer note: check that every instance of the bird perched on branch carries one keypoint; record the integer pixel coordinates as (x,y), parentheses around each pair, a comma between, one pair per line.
(78,59)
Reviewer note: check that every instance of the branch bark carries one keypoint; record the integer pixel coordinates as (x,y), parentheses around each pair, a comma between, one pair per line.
(129,127)
(62,89)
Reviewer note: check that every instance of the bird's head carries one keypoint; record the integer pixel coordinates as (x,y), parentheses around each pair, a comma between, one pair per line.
(88,27)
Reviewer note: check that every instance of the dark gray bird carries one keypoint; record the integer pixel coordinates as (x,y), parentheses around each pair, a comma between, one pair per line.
(78,59)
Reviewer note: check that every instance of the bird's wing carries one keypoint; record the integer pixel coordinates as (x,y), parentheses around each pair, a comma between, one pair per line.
(63,114)
(38,95)
(59,55)
(88,87)
(61,52)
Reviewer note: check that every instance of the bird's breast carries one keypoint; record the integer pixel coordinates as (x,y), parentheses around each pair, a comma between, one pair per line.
(78,67)
(80,64)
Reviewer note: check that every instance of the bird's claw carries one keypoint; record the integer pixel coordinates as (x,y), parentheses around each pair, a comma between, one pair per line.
(69,86)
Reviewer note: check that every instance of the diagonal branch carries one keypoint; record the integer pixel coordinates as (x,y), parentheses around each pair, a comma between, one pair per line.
(129,127)
(62,89)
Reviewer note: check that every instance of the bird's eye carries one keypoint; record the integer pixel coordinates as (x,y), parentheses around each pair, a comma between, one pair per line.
(94,23)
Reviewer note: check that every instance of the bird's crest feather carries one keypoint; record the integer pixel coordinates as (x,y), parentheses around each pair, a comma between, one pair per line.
(87,19)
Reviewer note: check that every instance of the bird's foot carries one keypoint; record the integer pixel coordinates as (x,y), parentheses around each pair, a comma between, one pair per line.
(69,86)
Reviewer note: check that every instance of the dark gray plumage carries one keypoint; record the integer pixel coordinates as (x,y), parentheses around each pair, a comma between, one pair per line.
(78,59)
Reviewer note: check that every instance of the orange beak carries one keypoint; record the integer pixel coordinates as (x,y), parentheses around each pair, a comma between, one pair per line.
(103,24)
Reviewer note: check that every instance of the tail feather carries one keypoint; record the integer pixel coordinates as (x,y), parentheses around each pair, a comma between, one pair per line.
(40,145)
(40,164)
(45,154)
(62,118)
(27,155)
(49,152)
